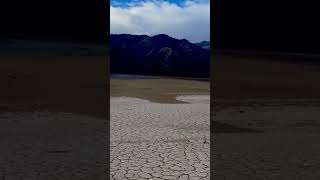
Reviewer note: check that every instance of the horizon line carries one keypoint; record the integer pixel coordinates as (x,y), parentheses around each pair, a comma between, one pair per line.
(157,35)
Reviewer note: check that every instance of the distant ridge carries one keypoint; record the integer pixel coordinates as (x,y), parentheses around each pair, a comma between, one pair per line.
(25,47)
(158,55)
(296,57)
(204,44)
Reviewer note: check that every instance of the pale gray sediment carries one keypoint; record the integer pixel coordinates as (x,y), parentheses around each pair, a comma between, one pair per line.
(159,141)
(285,147)
(46,145)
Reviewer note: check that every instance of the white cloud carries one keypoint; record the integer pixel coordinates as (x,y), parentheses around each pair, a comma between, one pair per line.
(190,21)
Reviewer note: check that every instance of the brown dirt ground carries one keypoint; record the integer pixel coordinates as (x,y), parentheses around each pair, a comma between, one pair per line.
(240,78)
(64,83)
(157,90)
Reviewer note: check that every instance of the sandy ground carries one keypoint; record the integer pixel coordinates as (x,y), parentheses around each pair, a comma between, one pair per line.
(53,117)
(269,111)
(56,83)
(160,141)
(158,90)
(264,78)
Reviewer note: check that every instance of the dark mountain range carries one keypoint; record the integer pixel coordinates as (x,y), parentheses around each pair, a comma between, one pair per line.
(158,55)
(204,44)
(19,47)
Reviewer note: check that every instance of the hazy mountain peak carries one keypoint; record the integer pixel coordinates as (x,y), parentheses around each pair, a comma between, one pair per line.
(203,44)
(162,36)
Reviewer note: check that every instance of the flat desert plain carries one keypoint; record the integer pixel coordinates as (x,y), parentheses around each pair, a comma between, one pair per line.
(160,129)
(271,106)
(158,89)
(53,83)
(53,117)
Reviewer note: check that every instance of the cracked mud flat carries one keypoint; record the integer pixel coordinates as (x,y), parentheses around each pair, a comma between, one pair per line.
(287,146)
(58,146)
(159,141)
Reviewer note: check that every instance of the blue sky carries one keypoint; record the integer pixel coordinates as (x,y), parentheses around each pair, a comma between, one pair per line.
(189,19)
(126,3)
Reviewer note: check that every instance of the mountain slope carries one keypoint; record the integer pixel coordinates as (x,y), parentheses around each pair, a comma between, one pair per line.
(204,44)
(158,55)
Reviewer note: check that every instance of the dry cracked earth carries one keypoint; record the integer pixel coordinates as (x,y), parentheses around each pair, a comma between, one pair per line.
(52,146)
(285,148)
(159,141)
